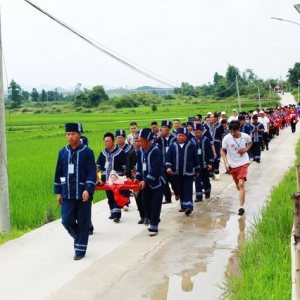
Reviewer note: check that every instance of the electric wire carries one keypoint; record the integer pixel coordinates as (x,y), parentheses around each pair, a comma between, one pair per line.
(101,48)
(226,89)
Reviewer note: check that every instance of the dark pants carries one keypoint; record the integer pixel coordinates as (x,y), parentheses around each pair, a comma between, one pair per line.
(202,182)
(167,190)
(152,201)
(139,203)
(76,218)
(265,137)
(216,165)
(293,126)
(256,149)
(115,209)
(185,188)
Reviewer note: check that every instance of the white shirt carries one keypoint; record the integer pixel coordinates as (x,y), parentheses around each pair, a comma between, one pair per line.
(232,145)
(233,118)
(264,120)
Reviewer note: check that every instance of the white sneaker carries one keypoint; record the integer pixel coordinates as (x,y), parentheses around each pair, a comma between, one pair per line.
(216,176)
(125,208)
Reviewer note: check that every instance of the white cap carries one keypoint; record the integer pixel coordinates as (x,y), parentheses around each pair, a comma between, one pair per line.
(234,110)
(255,112)
(261,112)
(223,113)
(209,113)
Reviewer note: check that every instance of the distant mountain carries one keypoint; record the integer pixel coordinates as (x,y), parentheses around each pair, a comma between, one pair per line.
(146,87)
(48,87)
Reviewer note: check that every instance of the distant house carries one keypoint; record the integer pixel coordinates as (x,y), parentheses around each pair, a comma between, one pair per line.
(277,89)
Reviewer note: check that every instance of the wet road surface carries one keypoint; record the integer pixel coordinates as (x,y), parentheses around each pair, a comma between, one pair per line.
(191,256)
(189,259)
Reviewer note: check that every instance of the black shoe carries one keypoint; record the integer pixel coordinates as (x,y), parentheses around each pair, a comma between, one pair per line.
(188,211)
(241,211)
(110,217)
(258,161)
(181,210)
(267,147)
(198,200)
(146,221)
(78,257)
(141,221)
(91,229)
(116,220)
(207,196)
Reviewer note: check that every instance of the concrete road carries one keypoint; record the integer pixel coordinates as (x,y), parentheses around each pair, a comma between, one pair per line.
(188,259)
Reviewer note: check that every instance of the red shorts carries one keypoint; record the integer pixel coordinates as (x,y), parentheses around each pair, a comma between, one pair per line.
(239,173)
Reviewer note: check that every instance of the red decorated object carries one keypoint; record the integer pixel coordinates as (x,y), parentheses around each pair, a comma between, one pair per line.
(115,188)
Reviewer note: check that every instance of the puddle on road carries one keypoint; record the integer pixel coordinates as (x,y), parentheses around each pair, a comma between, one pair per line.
(197,265)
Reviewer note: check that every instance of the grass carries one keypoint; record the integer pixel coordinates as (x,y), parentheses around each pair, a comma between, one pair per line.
(34,139)
(265,259)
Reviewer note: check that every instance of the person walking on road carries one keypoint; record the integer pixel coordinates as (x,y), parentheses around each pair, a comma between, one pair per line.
(234,154)
(150,176)
(182,162)
(163,142)
(74,185)
(206,161)
(111,158)
(130,172)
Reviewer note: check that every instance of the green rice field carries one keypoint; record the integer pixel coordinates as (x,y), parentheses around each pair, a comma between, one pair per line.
(34,138)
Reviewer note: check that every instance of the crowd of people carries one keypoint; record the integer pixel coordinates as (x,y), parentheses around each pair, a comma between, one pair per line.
(170,160)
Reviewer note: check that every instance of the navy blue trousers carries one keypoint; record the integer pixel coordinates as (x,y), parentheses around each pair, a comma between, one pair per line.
(216,165)
(202,182)
(152,201)
(167,190)
(115,209)
(76,218)
(256,149)
(185,188)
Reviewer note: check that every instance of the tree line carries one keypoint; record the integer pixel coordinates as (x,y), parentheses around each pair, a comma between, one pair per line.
(246,83)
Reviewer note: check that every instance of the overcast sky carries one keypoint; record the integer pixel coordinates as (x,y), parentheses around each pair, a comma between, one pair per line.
(177,40)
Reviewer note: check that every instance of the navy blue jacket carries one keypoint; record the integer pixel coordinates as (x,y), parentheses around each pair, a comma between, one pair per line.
(150,167)
(111,160)
(204,151)
(183,161)
(164,145)
(71,186)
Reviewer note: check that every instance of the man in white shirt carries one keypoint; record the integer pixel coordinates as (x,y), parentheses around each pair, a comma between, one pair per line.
(234,117)
(235,146)
(263,119)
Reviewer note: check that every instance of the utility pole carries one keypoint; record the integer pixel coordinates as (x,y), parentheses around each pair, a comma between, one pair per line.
(258,96)
(4,195)
(238,93)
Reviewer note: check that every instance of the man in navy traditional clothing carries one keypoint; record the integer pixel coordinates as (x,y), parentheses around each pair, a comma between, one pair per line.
(206,160)
(182,162)
(111,158)
(216,130)
(74,185)
(120,137)
(164,141)
(150,175)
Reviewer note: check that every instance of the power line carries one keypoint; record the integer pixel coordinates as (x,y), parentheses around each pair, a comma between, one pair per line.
(226,89)
(76,32)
